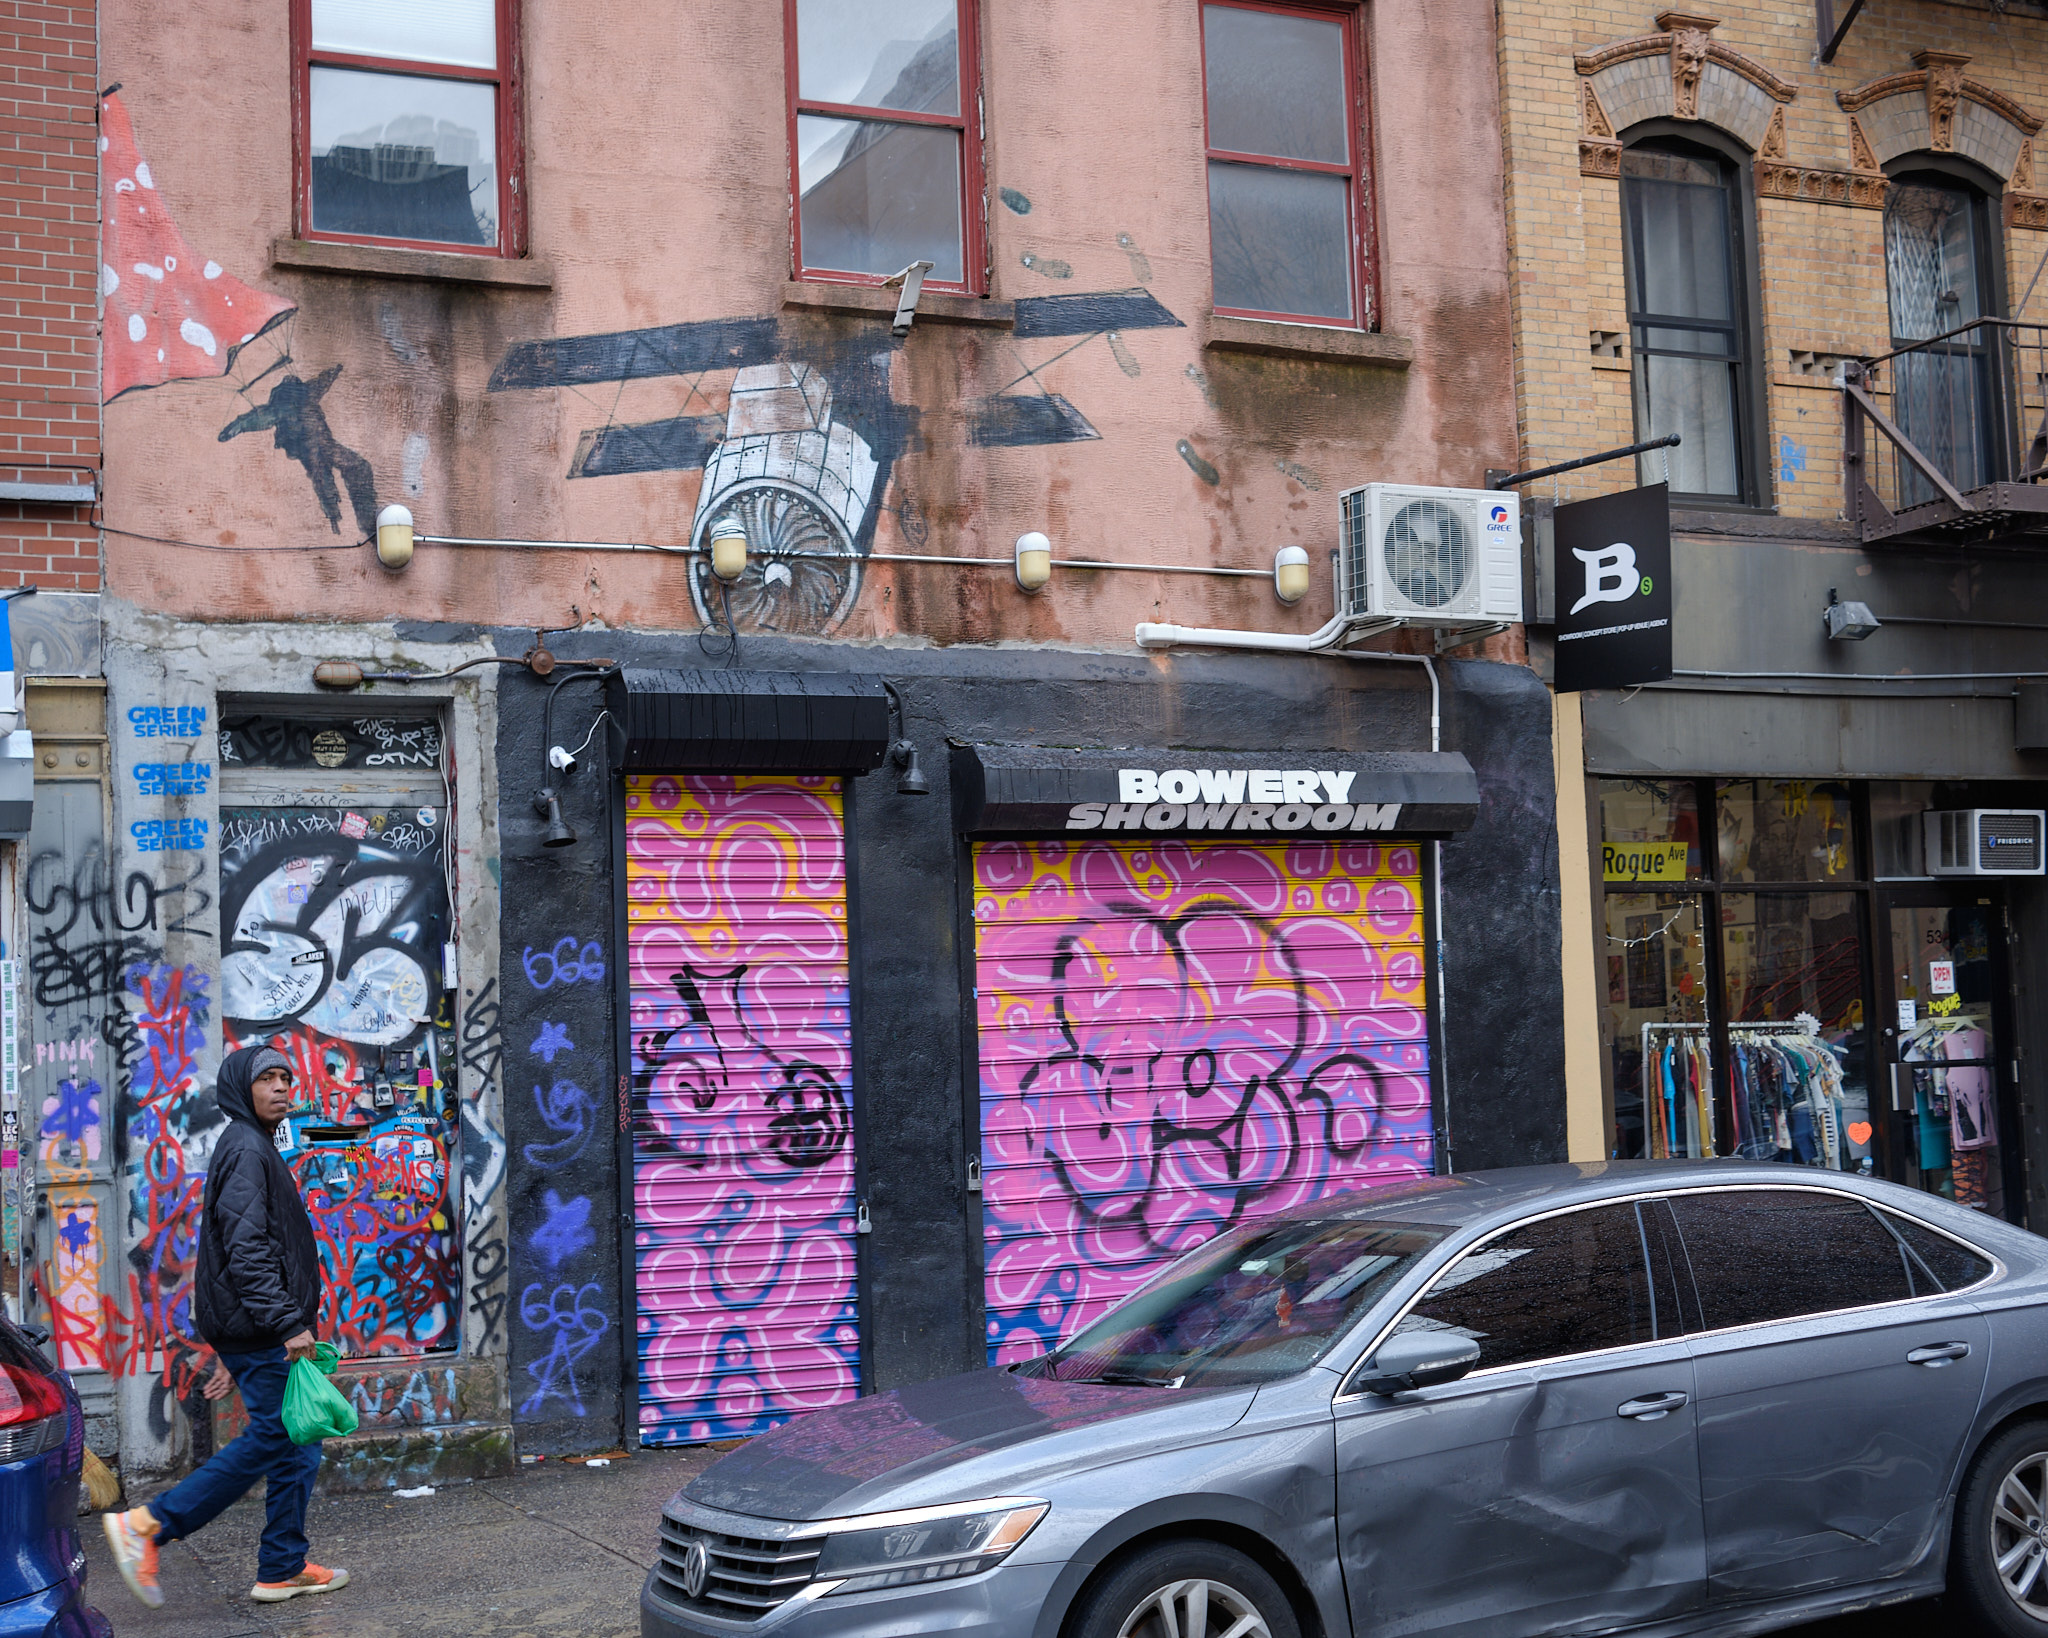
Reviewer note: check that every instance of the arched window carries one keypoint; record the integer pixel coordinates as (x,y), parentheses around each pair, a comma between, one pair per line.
(1685,229)
(1940,256)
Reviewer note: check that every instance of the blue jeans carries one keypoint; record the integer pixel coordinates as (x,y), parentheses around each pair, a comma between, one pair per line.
(263,1451)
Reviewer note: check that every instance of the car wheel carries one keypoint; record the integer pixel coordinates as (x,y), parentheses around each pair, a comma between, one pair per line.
(1998,1567)
(1186,1589)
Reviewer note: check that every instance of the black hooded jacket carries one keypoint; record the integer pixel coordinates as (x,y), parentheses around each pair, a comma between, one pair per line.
(258,1280)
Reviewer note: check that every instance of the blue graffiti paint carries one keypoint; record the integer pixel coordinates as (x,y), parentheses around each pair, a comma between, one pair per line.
(168,835)
(76,1234)
(564,964)
(575,1316)
(172,778)
(553,1038)
(566,1108)
(74,1111)
(566,1232)
(1791,459)
(167,721)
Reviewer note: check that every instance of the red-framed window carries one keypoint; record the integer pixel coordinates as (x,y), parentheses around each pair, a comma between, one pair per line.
(407,124)
(1290,218)
(885,140)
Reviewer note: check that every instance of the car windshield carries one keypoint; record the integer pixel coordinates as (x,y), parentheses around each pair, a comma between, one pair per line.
(1261,1302)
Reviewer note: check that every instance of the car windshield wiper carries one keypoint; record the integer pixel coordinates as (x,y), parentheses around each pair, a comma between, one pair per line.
(1128,1379)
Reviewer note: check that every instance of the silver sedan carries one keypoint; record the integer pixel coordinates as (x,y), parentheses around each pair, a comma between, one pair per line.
(1629,1397)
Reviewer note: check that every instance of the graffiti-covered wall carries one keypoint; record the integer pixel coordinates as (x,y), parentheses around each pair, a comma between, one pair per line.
(238,903)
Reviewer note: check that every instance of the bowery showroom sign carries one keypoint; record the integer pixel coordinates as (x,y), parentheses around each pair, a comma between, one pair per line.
(1234,799)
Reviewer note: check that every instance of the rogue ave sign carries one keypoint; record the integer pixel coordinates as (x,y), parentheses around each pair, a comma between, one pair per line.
(1614,590)
(1038,790)
(1234,799)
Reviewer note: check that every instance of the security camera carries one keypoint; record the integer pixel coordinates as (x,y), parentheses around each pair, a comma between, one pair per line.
(559,758)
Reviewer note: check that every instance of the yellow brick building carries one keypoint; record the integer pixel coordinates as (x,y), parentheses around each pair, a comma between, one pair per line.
(1812,243)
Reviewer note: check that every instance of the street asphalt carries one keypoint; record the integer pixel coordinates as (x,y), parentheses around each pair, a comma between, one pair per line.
(558,1550)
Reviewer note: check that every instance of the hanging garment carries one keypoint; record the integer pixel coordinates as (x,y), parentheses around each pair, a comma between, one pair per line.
(1972,1109)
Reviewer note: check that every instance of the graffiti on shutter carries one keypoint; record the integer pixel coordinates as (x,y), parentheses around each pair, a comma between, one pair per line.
(743,1163)
(1175,1037)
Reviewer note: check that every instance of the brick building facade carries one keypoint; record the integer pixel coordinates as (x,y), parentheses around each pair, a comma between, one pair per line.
(49,317)
(1814,249)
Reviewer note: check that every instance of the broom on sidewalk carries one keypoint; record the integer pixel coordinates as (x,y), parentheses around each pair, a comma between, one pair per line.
(102,1488)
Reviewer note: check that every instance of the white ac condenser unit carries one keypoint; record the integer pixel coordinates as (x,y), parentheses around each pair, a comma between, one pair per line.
(1987,842)
(1425,556)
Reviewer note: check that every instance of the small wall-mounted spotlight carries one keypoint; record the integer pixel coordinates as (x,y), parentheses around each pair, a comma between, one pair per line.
(549,805)
(1847,622)
(728,548)
(394,537)
(1290,574)
(912,783)
(1034,561)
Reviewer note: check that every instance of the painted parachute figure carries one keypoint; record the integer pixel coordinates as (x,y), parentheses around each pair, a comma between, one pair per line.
(170,315)
(174,317)
(293,416)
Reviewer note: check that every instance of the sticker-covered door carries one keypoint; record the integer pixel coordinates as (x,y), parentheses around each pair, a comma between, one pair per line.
(335,917)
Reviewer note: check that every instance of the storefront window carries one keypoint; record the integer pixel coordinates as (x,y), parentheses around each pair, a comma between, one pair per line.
(1798,990)
(1792,966)
(1657,1015)
(1786,830)
(1649,830)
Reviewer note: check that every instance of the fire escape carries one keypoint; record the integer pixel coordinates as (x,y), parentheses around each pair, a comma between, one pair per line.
(1961,448)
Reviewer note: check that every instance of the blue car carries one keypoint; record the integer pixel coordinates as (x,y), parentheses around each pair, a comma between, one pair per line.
(42,1449)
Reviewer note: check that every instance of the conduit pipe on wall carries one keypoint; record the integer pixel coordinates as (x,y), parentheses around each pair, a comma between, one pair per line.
(1323,640)
(871,557)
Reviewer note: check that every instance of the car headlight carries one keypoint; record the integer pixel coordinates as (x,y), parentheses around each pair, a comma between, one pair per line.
(929,1544)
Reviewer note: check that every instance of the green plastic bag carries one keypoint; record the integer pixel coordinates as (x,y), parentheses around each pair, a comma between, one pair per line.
(314,1408)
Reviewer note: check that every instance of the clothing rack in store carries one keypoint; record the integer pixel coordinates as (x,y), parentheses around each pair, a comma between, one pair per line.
(1683,1127)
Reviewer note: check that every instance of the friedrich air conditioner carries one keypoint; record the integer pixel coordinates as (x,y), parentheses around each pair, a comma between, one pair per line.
(1986,842)
(1438,557)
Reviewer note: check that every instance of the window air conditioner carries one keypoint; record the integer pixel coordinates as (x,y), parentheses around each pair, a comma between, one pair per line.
(1986,842)
(1437,557)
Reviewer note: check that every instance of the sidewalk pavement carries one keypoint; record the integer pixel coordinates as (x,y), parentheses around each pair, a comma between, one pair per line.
(557,1549)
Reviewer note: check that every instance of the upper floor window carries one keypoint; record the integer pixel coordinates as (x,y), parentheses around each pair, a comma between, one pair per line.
(1287,203)
(1938,254)
(1683,218)
(884,106)
(408,123)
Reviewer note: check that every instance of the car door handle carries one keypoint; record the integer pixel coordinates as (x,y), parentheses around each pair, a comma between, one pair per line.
(1652,1406)
(1941,1353)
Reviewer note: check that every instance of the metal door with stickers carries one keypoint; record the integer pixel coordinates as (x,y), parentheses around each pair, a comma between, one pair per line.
(336,928)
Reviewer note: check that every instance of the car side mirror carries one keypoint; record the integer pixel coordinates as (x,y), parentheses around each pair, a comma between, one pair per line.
(1418,1359)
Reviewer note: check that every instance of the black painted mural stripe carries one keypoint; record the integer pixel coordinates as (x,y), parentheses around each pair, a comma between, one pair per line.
(678,445)
(637,355)
(994,423)
(1087,311)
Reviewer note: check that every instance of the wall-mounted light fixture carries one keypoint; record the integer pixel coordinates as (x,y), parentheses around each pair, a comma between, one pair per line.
(728,548)
(902,753)
(1847,622)
(1034,561)
(394,537)
(1290,574)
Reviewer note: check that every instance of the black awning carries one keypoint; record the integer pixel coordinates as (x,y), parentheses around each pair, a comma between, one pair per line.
(750,721)
(1033,790)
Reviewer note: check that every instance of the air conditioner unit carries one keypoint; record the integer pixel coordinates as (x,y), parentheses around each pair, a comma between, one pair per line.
(1986,842)
(1436,557)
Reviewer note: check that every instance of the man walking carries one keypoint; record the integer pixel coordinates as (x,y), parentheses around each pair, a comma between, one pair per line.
(256,1298)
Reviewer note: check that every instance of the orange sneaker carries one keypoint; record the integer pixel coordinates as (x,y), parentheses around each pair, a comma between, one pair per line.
(312,1579)
(132,1536)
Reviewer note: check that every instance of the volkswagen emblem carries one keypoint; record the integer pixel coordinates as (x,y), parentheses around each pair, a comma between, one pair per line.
(696,1569)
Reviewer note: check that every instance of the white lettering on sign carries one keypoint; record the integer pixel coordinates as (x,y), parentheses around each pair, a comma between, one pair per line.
(1611,575)
(1268,816)
(1275,785)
